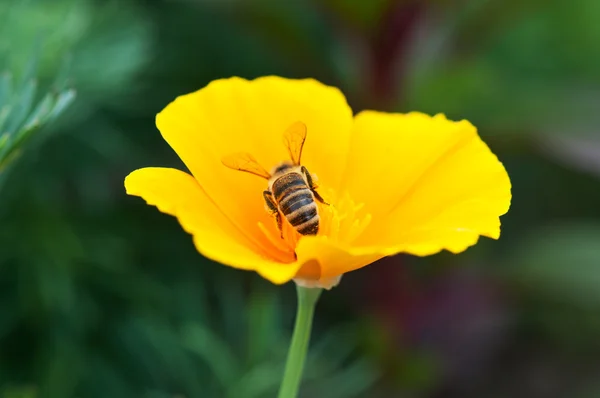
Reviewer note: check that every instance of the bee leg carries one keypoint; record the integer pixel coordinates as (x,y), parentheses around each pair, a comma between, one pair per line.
(312,185)
(279,221)
(271,207)
(319,198)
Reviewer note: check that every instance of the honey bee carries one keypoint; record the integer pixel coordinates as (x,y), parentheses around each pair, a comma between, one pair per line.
(292,191)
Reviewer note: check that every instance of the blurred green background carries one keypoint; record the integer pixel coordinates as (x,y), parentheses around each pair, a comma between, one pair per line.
(103,296)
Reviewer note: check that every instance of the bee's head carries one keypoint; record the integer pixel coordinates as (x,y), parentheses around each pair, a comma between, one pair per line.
(282,167)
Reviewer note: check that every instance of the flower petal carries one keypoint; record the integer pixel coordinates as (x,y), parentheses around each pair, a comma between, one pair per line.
(215,236)
(237,115)
(429,183)
(323,260)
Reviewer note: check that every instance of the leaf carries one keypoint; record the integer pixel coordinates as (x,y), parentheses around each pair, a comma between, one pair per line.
(64,99)
(5,90)
(4,114)
(21,109)
(40,112)
(20,121)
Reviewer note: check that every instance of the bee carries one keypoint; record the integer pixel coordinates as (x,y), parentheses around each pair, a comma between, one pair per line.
(292,191)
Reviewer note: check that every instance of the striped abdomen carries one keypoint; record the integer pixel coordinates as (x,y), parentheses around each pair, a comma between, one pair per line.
(297,203)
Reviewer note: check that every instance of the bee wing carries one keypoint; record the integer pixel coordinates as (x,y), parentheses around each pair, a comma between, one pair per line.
(245,162)
(293,139)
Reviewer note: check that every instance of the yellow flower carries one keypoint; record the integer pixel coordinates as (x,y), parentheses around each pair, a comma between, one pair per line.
(396,183)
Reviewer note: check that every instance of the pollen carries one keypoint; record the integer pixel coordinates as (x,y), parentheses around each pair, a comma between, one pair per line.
(344,221)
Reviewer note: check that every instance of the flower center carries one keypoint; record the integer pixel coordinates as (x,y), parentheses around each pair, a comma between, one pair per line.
(341,222)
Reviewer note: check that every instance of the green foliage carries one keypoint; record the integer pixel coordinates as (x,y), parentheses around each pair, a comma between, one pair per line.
(21,118)
(526,67)
(26,392)
(107,43)
(539,264)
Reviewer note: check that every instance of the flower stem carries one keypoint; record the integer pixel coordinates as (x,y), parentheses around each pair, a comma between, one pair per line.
(307,299)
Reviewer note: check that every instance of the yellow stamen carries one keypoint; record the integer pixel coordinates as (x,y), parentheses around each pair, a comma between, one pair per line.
(341,222)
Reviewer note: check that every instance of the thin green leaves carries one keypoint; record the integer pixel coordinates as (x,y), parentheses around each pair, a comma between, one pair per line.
(21,116)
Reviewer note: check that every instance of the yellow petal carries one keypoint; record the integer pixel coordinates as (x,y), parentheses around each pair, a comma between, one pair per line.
(429,183)
(215,236)
(236,115)
(323,259)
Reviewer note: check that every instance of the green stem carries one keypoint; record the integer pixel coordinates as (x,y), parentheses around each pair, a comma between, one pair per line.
(307,299)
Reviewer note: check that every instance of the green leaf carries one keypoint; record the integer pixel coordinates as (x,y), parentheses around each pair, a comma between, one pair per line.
(64,99)
(5,90)
(35,118)
(22,107)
